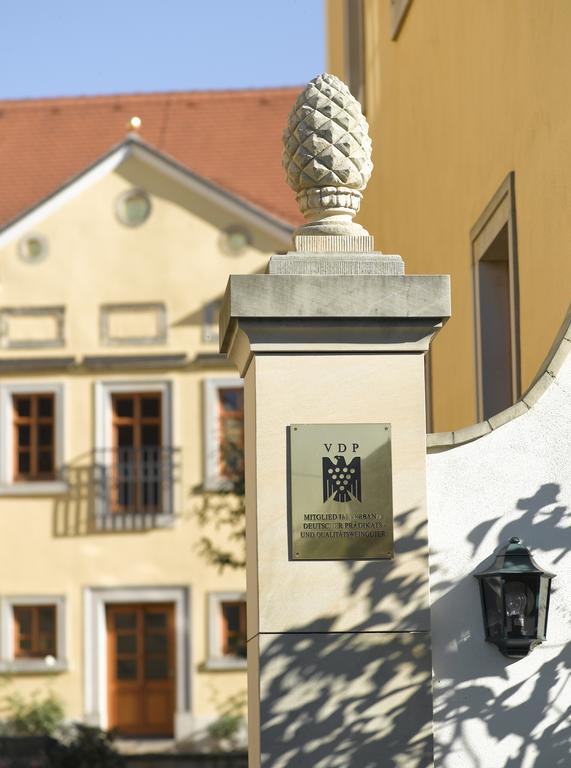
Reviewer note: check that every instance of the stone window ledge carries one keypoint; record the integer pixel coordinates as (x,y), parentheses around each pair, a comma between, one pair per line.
(228,664)
(133,521)
(33,666)
(50,488)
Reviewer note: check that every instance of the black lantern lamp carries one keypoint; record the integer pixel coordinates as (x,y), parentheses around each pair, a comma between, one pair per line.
(515,600)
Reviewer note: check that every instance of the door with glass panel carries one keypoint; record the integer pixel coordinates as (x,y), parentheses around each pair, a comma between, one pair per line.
(138,471)
(141,669)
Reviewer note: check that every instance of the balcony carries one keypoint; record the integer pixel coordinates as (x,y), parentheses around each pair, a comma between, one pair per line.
(135,487)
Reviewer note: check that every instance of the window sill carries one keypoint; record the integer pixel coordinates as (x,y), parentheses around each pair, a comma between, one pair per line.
(218,485)
(133,521)
(33,666)
(227,664)
(48,488)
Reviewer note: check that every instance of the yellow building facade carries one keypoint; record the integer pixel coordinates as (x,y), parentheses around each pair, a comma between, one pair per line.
(470,125)
(115,412)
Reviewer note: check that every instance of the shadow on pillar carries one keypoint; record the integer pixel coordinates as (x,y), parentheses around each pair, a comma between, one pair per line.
(359,698)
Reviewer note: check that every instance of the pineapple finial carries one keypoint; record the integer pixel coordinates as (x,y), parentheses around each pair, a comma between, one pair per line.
(327,159)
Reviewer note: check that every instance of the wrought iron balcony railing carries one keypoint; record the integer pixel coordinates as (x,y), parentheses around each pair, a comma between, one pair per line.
(136,484)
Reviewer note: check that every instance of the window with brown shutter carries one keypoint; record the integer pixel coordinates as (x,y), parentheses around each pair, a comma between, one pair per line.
(34,437)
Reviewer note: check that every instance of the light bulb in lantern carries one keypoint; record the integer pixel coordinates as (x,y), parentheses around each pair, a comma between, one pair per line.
(515,607)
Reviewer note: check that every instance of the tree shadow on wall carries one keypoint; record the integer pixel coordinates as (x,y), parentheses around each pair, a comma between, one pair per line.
(361,698)
(334,699)
(521,721)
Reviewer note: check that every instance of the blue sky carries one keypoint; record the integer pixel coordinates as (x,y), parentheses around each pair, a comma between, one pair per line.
(73,47)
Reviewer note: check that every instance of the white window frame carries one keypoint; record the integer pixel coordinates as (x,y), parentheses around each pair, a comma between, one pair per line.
(210,332)
(30,488)
(213,481)
(96,600)
(216,659)
(499,212)
(104,391)
(8,662)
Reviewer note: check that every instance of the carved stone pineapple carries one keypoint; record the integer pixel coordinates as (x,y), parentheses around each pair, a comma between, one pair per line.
(327,154)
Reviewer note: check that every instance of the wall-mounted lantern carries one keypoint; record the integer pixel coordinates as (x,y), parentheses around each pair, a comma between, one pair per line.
(515,600)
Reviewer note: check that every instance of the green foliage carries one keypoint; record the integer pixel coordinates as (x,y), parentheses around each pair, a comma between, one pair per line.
(233,456)
(225,727)
(77,746)
(230,721)
(225,511)
(82,746)
(36,716)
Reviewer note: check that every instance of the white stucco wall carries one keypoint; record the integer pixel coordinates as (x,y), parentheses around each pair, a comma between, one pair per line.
(491,711)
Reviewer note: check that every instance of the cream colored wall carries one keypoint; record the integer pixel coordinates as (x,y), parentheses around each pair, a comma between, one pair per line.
(46,549)
(47,545)
(468,92)
(94,259)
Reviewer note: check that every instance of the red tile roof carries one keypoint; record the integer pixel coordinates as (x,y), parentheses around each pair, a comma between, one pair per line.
(232,138)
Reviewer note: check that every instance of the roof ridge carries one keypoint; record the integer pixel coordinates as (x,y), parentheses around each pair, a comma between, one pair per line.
(151,95)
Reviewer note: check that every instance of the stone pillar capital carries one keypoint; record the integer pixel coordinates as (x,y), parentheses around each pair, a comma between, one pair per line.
(311,314)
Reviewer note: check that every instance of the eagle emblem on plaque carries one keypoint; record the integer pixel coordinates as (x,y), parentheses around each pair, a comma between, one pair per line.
(341,481)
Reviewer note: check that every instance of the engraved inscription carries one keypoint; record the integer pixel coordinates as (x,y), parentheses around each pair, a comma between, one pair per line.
(341,491)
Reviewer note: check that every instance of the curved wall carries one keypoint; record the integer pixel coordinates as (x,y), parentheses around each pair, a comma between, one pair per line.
(513,480)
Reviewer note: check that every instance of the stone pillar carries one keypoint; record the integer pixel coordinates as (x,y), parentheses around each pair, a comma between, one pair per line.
(339,656)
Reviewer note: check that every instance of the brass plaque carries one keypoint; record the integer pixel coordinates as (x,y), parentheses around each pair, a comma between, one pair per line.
(340,492)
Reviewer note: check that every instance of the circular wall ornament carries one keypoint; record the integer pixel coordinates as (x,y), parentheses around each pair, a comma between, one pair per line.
(235,240)
(133,207)
(33,248)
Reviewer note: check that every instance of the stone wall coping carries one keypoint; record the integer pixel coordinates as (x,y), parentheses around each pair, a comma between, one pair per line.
(319,297)
(548,372)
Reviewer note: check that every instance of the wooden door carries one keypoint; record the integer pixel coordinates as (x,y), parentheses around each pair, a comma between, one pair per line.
(141,669)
